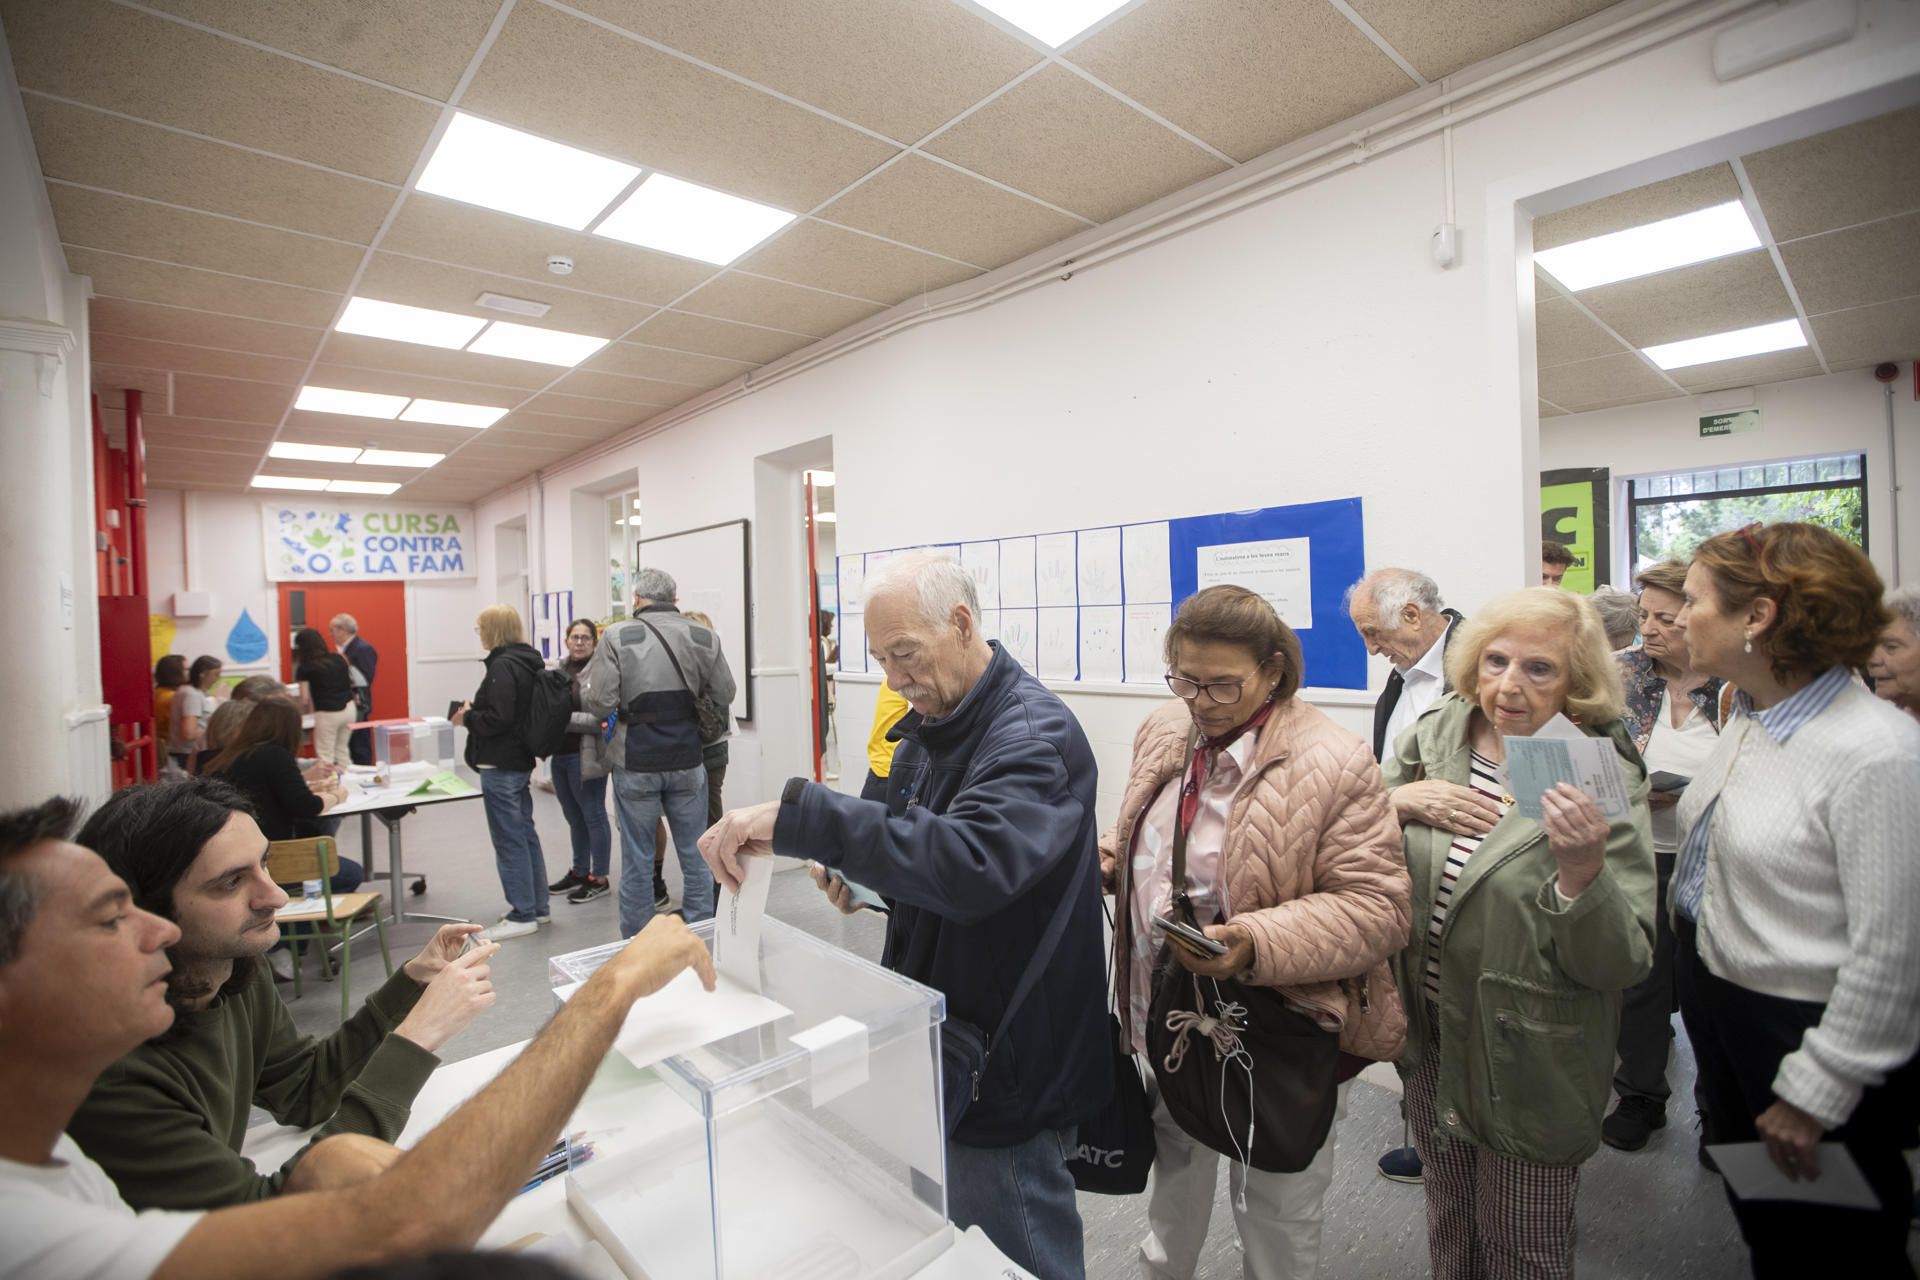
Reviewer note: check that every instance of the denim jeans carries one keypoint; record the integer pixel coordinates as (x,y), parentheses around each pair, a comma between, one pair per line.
(584,801)
(639,799)
(516,845)
(1022,1197)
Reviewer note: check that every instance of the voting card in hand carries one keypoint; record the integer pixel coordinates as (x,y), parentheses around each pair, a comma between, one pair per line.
(1549,757)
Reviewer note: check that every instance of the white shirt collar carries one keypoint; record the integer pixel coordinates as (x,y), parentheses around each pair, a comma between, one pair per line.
(1433,663)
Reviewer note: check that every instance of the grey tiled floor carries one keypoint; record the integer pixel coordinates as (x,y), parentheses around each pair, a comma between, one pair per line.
(1652,1215)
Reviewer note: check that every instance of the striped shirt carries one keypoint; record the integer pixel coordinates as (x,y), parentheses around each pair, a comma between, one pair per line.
(1781,721)
(1485,780)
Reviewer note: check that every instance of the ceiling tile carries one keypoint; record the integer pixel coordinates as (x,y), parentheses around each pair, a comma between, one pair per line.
(1711,297)
(411,384)
(1062,139)
(1212,67)
(827,257)
(89,147)
(331,428)
(361,352)
(109,349)
(178,430)
(115,276)
(1701,189)
(588,407)
(1610,379)
(118,224)
(920,202)
(623,99)
(1777,366)
(446,231)
(1839,178)
(718,337)
(196,395)
(1869,335)
(1875,263)
(90,51)
(901,67)
(1550,411)
(1563,334)
(109,376)
(635,360)
(611,386)
(774,304)
(1439,37)
(200,328)
(393,278)
(422,45)
(561,430)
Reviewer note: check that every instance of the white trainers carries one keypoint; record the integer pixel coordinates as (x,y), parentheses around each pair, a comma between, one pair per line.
(545,917)
(512,929)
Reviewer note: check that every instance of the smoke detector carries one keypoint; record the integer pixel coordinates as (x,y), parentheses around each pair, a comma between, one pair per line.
(560,264)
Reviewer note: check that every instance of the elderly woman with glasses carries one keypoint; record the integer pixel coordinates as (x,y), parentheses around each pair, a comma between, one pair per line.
(1528,932)
(1291,864)
(1895,665)
(1797,895)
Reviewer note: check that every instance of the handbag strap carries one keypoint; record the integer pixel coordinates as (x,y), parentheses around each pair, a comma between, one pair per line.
(684,682)
(1049,942)
(1178,887)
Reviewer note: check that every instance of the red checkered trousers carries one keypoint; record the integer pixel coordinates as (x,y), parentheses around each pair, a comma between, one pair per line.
(1489,1216)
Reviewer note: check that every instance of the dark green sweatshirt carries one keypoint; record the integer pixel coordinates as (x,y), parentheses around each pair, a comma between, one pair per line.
(166,1121)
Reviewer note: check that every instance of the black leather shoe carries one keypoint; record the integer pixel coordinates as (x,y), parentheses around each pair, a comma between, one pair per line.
(1632,1123)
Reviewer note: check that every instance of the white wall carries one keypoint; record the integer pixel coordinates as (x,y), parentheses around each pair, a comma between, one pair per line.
(1837,413)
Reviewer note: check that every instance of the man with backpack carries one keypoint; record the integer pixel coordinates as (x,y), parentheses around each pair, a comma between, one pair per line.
(649,672)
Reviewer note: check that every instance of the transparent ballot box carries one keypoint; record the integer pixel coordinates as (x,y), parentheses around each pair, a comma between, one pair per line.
(808,1147)
(427,741)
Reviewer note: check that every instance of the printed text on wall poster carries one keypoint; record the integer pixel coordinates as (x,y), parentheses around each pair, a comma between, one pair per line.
(1279,569)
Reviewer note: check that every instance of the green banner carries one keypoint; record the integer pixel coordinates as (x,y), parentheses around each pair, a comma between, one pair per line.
(1575,510)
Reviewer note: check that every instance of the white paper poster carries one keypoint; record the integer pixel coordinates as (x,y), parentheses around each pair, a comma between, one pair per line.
(981,560)
(1059,649)
(853,583)
(1279,570)
(1053,569)
(1017,589)
(1147,563)
(1019,636)
(1146,634)
(1100,643)
(1099,566)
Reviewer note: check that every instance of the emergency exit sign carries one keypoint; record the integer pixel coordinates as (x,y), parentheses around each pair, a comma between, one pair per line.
(1730,424)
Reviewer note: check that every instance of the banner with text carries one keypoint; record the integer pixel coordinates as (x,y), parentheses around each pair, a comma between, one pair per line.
(334,541)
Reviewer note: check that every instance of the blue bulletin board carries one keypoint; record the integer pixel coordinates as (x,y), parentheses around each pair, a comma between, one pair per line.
(1092,606)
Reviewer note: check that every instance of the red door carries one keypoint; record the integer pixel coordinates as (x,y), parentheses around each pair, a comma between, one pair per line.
(381,610)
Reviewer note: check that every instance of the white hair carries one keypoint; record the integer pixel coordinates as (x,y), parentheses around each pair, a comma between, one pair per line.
(1904,602)
(1394,589)
(937,582)
(344,622)
(655,584)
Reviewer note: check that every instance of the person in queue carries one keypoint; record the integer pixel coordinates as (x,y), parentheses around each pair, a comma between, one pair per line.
(1529,931)
(1673,714)
(169,673)
(1797,894)
(365,661)
(496,723)
(988,828)
(84,980)
(1292,860)
(326,685)
(580,769)
(1895,665)
(1619,615)
(193,704)
(1555,559)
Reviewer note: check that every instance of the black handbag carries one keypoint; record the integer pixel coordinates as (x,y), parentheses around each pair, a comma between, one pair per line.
(1115,1147)
(1238,1070)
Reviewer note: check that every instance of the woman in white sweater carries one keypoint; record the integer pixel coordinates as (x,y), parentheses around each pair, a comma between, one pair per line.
(1796,899)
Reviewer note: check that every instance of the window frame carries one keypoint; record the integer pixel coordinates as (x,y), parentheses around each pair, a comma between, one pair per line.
(1630,485)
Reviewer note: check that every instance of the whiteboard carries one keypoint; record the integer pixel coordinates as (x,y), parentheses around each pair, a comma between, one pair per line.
(713,568)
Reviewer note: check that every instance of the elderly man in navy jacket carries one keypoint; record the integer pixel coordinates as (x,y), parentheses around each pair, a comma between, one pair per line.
(987,825)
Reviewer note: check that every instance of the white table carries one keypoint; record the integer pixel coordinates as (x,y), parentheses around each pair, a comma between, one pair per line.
(390,804)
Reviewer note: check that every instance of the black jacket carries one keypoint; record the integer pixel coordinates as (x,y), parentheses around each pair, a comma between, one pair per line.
(988,820)
(1383,709)
(497,720)
(282,803)
(329,681)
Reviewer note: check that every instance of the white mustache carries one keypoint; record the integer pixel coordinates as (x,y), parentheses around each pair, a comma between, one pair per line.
(914,691)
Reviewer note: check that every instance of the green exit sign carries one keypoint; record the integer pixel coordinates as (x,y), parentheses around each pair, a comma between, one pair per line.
(1730,424)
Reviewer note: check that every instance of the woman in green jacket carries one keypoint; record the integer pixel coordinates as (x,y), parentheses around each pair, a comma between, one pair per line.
(1526,934)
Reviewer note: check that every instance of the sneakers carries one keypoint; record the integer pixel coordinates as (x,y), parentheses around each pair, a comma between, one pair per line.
(505,917)
(589,890)
(660,898)
(512,929)
(1632,1123)
(1402,1164)
(572,880)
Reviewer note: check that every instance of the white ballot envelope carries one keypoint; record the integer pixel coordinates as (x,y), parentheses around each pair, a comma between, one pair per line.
(1558,752)
(736,923)
(1753,1176)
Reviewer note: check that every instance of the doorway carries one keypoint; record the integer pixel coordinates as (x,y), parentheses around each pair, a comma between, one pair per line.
(823,591)
(381,610)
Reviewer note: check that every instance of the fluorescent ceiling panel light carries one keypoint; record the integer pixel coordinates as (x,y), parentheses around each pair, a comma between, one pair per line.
(451,413)
(398,458)
(1699,236)
(694,222)
(312,452)
(821,479)
(402,323)
(360,404)
(1781,335)
(289,482)
(547,346)
(491,165)
(1052,22)
(362,486)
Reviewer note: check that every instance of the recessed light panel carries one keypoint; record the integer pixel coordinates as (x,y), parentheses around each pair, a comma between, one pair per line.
(547,346)
(500,168)
(289,482)
(401,323)
(362,486)
(451,413)
(1694,237)
(398,458)
(360,404)
(312,452)
(1052,22)
(692,221)
(1782,335)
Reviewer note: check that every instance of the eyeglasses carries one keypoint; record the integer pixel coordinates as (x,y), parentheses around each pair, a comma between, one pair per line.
(1225,692)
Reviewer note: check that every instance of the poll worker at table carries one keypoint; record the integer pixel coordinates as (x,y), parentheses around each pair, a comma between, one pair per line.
(987,828)
(84,981)
(166,1121)
(1796,899)
(1529,931)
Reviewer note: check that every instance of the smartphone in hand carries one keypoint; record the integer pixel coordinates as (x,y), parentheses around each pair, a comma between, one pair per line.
(1196,942)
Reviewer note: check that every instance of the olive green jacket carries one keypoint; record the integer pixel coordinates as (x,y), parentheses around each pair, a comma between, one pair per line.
(1529,992)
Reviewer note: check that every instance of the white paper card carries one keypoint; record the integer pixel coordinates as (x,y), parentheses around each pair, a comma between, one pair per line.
(684,1015)
(1146,642)
(737,920)
(982,563)
(1753,1176)
(1589,764)
(1059,644)
(1098,566)
(1017,585)
(1053,572)
(836,1057)
(1146,563)
(1279,569)
(1100,643)
(853,583)
(1019,636)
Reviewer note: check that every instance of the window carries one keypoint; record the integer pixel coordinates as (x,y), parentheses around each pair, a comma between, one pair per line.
(1674,513)
(623,531)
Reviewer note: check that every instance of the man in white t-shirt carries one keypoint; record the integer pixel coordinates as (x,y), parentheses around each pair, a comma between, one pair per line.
(83,981)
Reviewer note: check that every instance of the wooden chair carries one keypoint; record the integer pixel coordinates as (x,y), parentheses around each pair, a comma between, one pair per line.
(317,858)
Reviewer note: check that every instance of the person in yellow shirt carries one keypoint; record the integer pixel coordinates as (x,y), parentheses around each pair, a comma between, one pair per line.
(886,714)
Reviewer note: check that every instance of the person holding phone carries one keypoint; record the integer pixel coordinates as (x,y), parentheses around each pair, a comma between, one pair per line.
(1294,872)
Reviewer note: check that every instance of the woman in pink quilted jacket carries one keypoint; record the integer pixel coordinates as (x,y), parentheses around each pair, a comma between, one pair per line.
(1293,862)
